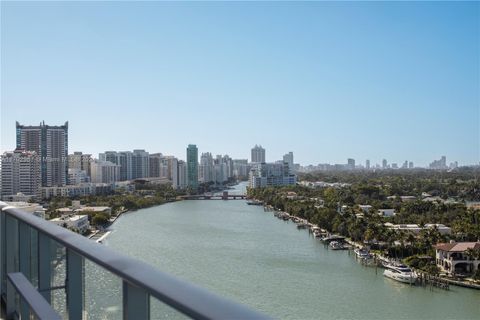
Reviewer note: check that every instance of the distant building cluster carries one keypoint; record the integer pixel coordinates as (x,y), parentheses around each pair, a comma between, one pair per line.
(441,164)
(40,167)
(352,165)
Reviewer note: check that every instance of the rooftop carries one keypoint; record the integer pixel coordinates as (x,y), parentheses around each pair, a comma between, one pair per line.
(458,246)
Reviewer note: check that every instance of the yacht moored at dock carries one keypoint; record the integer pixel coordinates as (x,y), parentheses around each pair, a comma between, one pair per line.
(401,273)
(362,253)
(255,203)
(336,245)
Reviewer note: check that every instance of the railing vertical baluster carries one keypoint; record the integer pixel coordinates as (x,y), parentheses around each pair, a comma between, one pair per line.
(136,302)
(24,254)
(11,236)
(3,274)
(44,266)
(75,285)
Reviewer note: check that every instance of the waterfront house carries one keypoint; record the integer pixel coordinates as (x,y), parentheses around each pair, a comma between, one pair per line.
(453,257)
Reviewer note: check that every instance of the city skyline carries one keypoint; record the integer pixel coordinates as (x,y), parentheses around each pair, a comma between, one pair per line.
(257,154)
(403,86)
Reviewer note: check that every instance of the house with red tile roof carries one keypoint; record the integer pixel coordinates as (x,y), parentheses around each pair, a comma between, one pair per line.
(453,257)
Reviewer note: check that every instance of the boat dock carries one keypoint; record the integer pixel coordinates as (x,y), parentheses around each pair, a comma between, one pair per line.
(428,280)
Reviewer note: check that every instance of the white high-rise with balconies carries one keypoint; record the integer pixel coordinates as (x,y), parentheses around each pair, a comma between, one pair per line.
(20,173)
(51,144)
(181,175)
(271,174)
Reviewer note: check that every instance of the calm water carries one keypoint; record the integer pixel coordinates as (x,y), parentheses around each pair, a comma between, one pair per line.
(242,253)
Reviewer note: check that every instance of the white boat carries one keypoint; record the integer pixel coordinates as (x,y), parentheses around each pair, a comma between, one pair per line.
(335,245)
(362,253)
(400,273)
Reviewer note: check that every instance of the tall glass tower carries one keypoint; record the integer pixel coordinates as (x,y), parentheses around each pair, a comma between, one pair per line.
(192,167)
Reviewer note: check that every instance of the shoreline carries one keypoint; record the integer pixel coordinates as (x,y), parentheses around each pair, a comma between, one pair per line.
(354,244)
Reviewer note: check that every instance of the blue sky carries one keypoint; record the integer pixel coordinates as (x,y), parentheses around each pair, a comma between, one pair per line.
(328,81)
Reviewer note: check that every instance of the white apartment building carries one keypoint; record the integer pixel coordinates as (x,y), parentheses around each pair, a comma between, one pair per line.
(104,172)
(180,181)
(270,174)
(78,223)
(77,176)
(20,173)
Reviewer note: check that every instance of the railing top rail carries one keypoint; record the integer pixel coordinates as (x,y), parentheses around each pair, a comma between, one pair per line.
(187,298)
(39,306)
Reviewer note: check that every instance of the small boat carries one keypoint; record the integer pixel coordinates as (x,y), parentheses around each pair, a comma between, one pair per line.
(333,238)
(336,245)
(362,253)
(401,273)
(254,203)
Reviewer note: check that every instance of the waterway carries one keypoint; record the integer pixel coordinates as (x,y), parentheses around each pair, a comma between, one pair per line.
(245,254)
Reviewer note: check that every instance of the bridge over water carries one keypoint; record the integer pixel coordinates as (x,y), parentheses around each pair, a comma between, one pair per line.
(224,196)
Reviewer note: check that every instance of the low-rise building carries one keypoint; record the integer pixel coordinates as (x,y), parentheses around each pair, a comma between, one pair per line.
(440,227)
(453,257)
(386,212)
(365,207)
(403,198)
(65,211)
(75,222)
(415,228)
(473,205)
(78,190)
(19,197)
(105,210)
(33,208)
(77,208)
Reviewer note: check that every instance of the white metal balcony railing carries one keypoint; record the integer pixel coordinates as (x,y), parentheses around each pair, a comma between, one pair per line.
(140,282)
